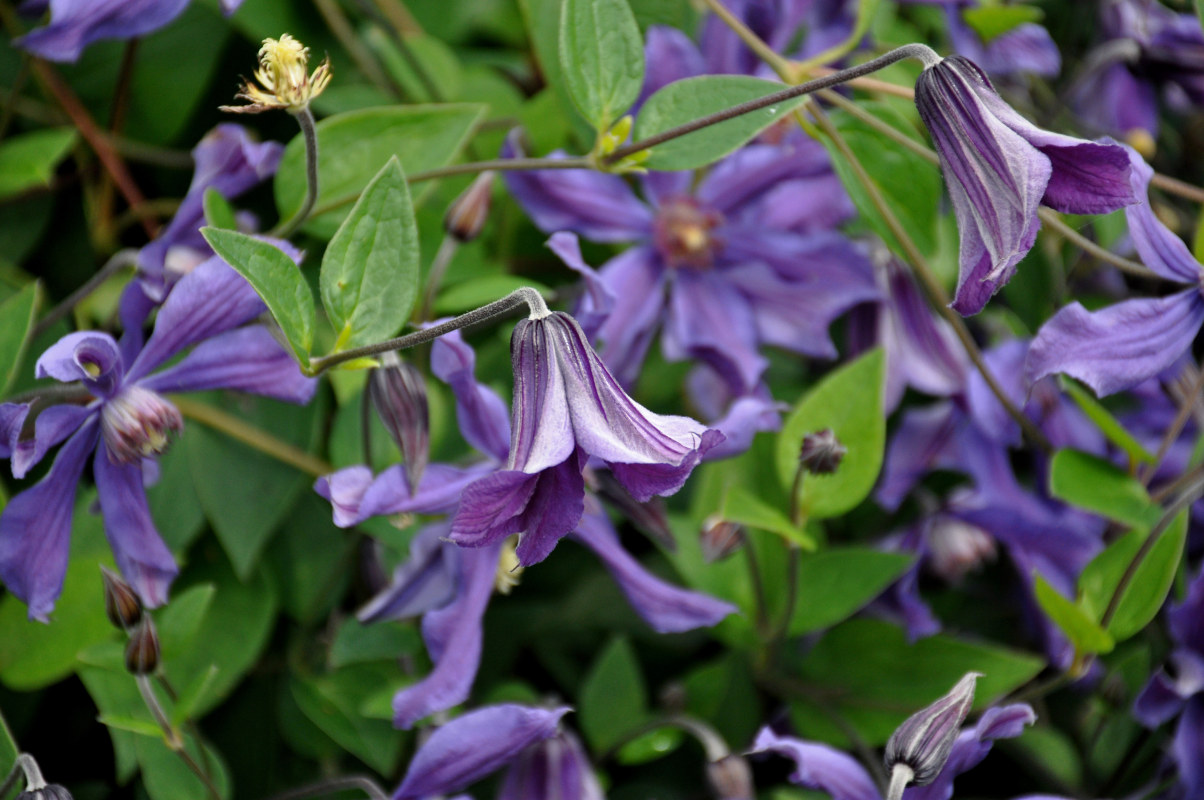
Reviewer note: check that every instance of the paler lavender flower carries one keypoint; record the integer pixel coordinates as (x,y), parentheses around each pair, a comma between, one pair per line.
(999,168)
(1122,345)
(126,423)
(75,24)
(568,407)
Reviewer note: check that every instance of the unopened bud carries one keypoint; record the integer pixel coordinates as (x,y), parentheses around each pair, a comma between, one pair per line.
(730,778)
(142,650)
(821,452)
(924,740)
(720,538)
(51,791)
(467,214)
(398,393)
(122,605)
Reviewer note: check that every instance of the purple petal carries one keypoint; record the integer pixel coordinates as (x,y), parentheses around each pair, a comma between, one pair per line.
(1116,347)
(345,492)
(734,184)
(598,301)
(12,420)
(1164,697)
(141,555)
(667,608)
(1160,249)
(745,418)
(925,440)
(423,582)
(453,638)
(35,528)
(1114,100)
(972,746)
(491,508)
(710,320)
(1187,747)
(88,356)
(246,359)
(556,769)
(51,427)
(818,766)
(637,279)
(473,745)
(670,56)
(439,490)
(482,416)
(75,24)
(1186,620)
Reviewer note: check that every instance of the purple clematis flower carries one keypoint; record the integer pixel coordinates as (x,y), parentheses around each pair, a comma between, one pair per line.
(126,423)
(818,766)
(568,407)
(75,24)
(745,259)
(1027,47)
(1181,690)
(554,769)
(1125,344)
(1147,48)
(999,168)
(473,745)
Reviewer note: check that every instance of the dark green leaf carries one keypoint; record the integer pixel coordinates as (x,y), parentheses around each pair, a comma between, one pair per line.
(849,402)
(742,506)
(1108,424)
(355,145)
(179,621)
(141,727)
(218,211)
(312,561)
(602,56)
(836,583)
(335,703)
(8,748)
(277,280)
(650,746)
(1096,485)
(1084,632)
(16,321)
(357,643)
(27,160)
(990,22)
(613,698)
(370,271)
(693,98)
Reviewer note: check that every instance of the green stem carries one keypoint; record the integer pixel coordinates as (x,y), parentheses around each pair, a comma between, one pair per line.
(117,262)
(331,786)
(447,250)
(253,437)
(305,119)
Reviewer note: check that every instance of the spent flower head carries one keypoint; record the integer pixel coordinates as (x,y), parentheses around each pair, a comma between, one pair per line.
(283,65)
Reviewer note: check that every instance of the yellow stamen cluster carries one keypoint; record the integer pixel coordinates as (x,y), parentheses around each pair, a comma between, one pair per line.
(509,570)
(282,73)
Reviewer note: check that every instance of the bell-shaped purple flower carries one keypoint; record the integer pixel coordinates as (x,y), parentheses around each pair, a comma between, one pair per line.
(554,769)
(999,168)
(128,421)
(568,407)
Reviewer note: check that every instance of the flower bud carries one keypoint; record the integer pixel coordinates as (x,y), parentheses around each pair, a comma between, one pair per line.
(398,393)
(924,740)
(720,538)
(122,605)
(821,452)
(51,791)
(730,778)
(467,214)
(142,650)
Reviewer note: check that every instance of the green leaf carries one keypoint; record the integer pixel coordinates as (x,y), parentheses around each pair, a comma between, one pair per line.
(142,727)
(836,583)
(693,98)
(335,703)
(28,160)
(311,564)
(991,22)
(650,746)
(849,402)
(355,145)
(1084,632)
(1150,583)
(742,506)
(277,280)
(370,271)
(357,643)
(909,183)
(16,321)
(602,56)
(1096,485)
(166,777)
(8,749)
(1200,10)
(1109,426)
(218,211)
(191,694)
(179,621)
(613,698)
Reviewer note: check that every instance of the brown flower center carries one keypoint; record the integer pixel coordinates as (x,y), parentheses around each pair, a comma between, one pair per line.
(685,234)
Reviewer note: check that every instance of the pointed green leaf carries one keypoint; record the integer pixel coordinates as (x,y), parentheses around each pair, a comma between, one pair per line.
(991,22)
(218,211)
(16,321)
(836,583)
(370,270)
(1109,426)
(277,280)
(1096,485)
(693,98)
(613,699)
(28,160)
(849,402)
(1083,632)
(602,55)
(742,506)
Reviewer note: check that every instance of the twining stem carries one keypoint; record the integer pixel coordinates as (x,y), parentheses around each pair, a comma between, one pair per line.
(920,51)
(518,297)
(932,287)
(305,119)
(248,434)
(116,262)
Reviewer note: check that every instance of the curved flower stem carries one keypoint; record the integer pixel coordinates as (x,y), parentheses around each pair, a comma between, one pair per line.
(518,297)
(920,51)
(305,119)
(1175,186)
(333,786)
(26,765)
(116,262)
(932,287)
(173,740)
(251,436)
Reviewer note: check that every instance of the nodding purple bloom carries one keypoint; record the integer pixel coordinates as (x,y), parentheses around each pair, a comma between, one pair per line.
(127,422)
(473,745)
(1147,48)
(1026,48)
(1180,690)
(818,766)
(568,407)
(746,258)
(1125,344)
(75,24)
(554,769)
(999,168)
